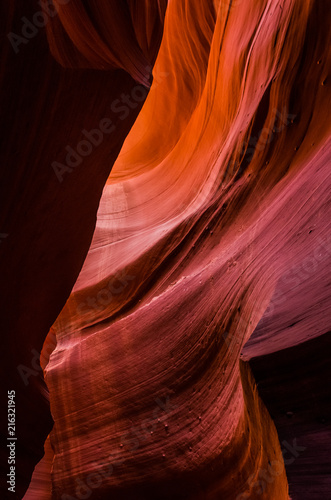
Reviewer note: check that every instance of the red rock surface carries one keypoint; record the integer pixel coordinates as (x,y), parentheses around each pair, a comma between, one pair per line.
(47,224)
(186,363)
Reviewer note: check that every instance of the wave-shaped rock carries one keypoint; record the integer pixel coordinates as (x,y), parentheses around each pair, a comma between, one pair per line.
(174,367)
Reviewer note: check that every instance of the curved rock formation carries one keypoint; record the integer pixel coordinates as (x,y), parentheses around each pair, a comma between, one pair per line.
(58,147)
(179,365)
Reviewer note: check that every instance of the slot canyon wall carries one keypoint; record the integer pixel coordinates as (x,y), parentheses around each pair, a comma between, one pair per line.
(165,248)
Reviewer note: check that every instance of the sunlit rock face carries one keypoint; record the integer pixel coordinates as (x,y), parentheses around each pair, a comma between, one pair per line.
(58,148)
(185,363)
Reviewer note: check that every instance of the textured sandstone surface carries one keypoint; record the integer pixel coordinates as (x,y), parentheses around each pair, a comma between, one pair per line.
(187,340)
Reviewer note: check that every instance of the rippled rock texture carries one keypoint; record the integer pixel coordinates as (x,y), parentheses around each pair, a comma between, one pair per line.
(168,248)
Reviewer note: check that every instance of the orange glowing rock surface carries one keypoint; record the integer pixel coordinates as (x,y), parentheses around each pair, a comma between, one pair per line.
(207,276)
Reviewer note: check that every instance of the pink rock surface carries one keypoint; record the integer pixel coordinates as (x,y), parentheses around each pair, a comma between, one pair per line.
(175,367)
